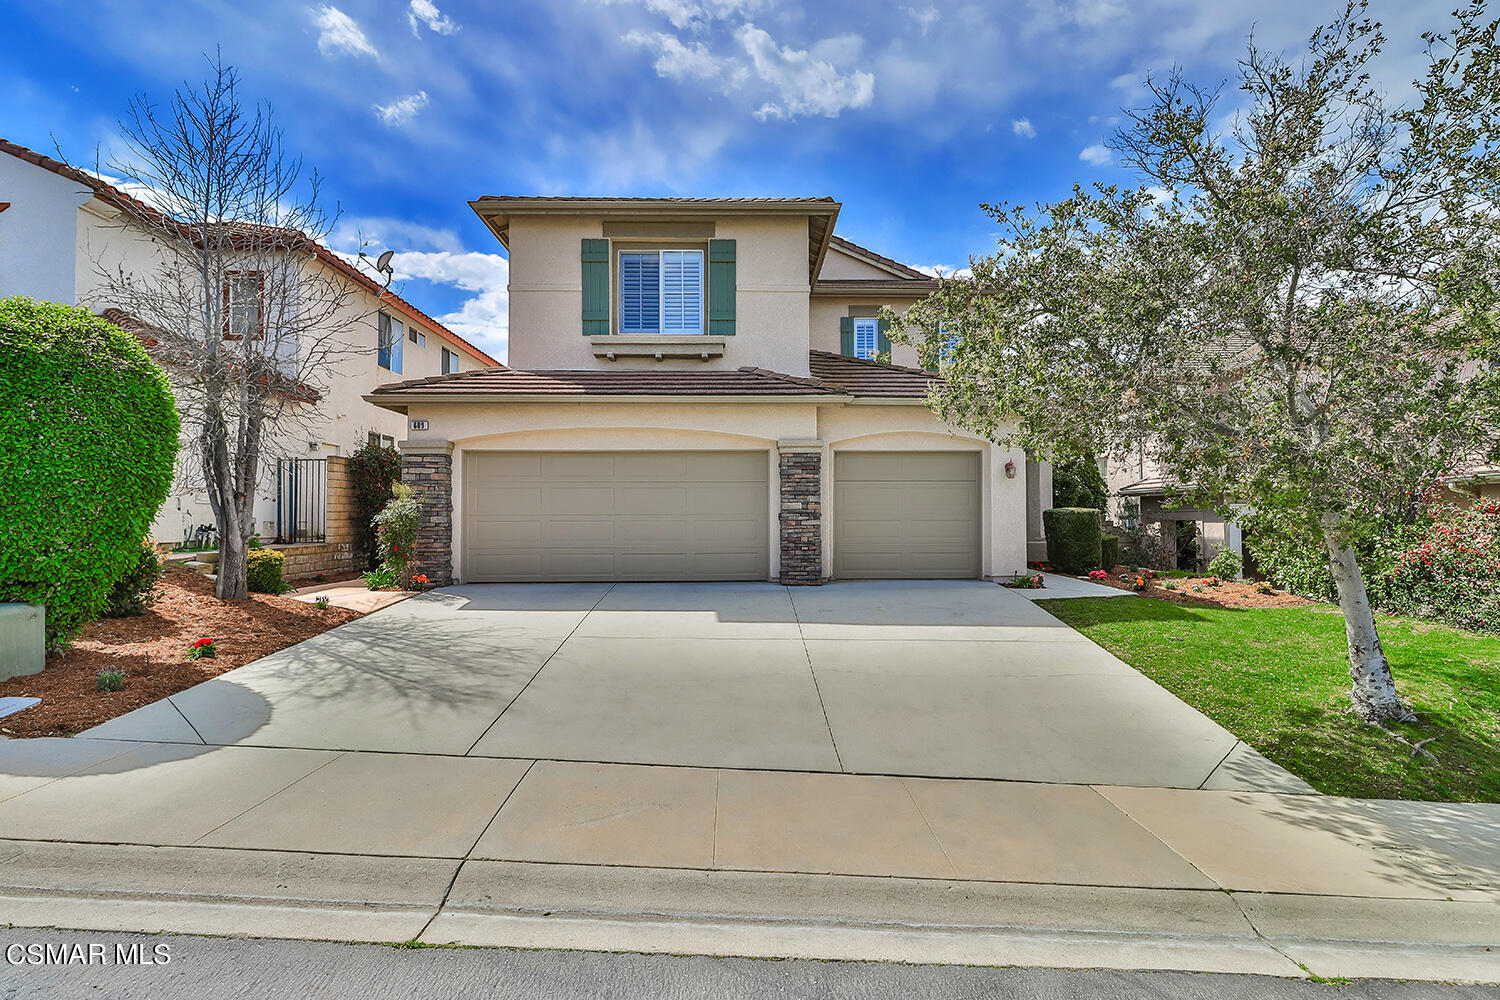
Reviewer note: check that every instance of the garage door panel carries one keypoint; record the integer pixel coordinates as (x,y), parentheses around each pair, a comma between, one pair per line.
(906,515)
(616,516)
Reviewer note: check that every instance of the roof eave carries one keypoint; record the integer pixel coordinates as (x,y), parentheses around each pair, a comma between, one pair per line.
(398,401)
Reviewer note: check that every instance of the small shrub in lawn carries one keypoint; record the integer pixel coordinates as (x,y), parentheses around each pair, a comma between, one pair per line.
(263,571)
(321,602)
(202,649)
(111,680)
(1226,565)
(134,591)
(1073,538)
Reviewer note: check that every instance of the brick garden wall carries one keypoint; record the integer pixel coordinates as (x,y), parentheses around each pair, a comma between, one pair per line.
(801,517)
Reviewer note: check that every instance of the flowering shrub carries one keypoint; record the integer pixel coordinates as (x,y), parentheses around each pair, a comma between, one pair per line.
(1098,574)
(1026,583)
(420,582)
(396,533)
(203,649)
(1450,572)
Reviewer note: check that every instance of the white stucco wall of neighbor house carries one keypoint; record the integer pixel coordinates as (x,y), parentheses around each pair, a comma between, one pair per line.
(38,231)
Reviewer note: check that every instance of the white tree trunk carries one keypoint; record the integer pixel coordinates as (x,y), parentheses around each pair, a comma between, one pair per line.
(1374,691)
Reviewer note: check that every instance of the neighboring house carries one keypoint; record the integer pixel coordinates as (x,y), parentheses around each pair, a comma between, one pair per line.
(59,225)
(1140,497)
(695,394)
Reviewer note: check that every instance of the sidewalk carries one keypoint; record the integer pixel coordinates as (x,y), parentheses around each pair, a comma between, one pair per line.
(483,851)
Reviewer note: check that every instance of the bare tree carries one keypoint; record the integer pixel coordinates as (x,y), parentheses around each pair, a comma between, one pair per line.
(237,298)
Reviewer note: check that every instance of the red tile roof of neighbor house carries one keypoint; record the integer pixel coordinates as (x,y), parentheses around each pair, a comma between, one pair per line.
(832,375)
(110,193)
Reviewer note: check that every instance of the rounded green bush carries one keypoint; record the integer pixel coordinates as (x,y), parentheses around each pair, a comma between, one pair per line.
(88,440)
(1073,538)
(263,571)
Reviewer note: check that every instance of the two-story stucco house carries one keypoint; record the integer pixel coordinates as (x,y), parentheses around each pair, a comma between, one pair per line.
(61,229)
(693,394)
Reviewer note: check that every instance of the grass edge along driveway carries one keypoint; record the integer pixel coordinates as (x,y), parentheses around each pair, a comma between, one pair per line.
(1279,679)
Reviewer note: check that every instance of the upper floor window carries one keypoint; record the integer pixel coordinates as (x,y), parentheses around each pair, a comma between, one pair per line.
(450,362)
(866,337)
(388,339)
(380,440)
(244,309)
(661,291)
(416,336)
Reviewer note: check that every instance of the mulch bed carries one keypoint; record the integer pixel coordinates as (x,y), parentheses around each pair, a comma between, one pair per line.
(1228,594)
(150,648)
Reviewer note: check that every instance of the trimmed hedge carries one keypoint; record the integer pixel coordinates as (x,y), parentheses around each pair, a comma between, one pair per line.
(263,571)
(88,441)
(1109,551)
(1074,539)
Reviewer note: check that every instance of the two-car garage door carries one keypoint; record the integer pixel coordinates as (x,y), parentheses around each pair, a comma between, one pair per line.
(705,515)
(648,515)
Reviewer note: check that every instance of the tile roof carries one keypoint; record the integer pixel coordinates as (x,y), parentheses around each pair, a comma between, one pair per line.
(894,265)
(832,375)
(860,378)
(610,382)
(113,194)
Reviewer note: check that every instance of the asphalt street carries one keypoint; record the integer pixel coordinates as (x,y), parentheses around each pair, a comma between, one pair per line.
(130,967)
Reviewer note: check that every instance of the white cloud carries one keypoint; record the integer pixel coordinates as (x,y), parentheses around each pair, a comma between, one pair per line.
(337,32)
(402,111)
(925,17)
(695,13)
(422,12)
(806,85)
(1023,128)
(376,233)
(676,60)
(483,318)
(1098,155)
(945,270)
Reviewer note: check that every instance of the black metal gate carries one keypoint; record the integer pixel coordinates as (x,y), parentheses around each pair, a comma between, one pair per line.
(301,491)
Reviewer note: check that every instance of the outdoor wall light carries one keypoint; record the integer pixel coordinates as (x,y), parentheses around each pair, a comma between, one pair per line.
(1010,469)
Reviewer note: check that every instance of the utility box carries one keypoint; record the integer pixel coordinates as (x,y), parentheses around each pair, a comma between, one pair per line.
(23,640)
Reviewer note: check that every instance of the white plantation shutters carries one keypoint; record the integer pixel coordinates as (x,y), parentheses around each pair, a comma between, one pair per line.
(640,293)
(661,291)
(866,337)
(682,291)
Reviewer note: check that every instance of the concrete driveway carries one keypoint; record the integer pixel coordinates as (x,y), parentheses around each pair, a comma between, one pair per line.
(733,769)
(939,679)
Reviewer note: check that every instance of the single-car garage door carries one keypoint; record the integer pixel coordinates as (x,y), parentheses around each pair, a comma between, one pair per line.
(906,515)
(645,515)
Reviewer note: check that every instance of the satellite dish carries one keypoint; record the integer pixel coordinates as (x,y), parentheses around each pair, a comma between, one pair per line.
(383,262)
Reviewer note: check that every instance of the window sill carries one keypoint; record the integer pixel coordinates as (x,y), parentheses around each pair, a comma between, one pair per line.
(658,346)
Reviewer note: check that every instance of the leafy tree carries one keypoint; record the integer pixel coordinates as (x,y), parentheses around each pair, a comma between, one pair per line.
(1077,482)
(374,471)
(1293,309)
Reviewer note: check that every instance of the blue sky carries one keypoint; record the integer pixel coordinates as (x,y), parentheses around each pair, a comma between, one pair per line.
(911,114)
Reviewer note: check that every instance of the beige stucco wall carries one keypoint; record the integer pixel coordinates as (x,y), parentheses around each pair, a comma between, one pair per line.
(625,426)
(840,266)
(826,311)
(771,291)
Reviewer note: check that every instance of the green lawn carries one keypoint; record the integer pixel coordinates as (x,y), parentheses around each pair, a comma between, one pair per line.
(1279,679)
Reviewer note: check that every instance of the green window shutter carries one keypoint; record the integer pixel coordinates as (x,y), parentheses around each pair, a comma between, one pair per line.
(721,287)
(846,336)
(882,339)
(595,259)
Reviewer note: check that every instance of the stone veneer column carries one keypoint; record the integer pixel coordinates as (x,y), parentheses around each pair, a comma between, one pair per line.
(801,491)
(427,467)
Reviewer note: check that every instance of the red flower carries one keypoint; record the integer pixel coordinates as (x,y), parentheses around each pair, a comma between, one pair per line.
(203,642)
